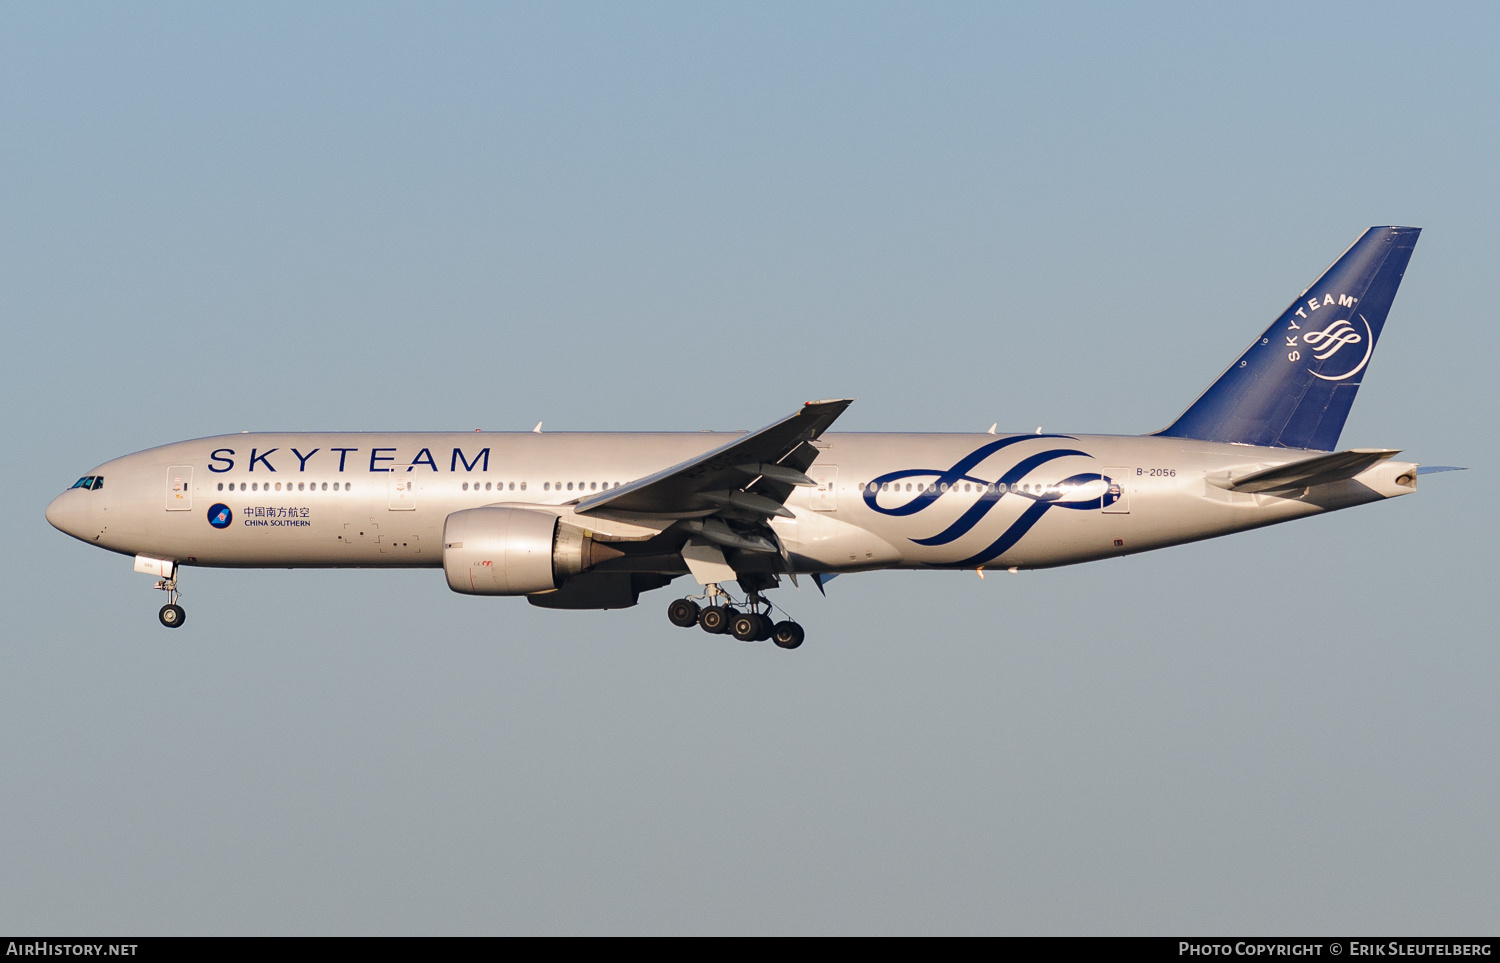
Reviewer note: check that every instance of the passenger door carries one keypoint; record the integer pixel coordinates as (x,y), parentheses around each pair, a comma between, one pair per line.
(180,488)
(403,493)
(824,498)
(1119,483)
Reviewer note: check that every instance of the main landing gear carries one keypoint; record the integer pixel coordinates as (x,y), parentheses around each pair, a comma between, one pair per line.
(171,615)
(720,618)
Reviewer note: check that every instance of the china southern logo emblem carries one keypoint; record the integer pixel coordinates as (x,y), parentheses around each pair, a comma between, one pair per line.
(220,516)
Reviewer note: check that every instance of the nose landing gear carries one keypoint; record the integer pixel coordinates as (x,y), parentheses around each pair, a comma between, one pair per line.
(720,618)
(171,615)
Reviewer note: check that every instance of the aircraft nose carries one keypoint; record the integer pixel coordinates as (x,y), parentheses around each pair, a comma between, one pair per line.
(64,513)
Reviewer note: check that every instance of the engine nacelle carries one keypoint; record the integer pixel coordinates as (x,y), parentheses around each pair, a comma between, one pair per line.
(514,551)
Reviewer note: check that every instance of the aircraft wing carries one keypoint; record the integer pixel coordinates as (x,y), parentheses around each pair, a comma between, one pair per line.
(748,478)
(1318,470)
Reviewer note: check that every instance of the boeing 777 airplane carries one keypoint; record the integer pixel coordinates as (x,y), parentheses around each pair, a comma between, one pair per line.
(592,520)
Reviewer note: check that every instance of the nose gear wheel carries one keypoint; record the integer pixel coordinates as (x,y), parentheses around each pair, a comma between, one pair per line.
(171,615)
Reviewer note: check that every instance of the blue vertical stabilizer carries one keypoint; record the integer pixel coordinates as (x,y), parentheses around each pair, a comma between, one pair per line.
(1294,386)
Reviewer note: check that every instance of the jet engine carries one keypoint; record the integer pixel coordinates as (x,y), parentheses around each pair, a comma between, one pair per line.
(515,551)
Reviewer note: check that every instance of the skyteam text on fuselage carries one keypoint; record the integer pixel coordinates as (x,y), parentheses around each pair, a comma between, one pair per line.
(592,520)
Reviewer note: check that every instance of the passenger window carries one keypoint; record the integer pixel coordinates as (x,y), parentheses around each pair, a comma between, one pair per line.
(486,486)
(325,486)
(523,486)
(221,486)
(570,486)
(512,486)
(546,486)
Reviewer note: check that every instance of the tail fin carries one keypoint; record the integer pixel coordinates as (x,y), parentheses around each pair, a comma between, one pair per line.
(1294,386)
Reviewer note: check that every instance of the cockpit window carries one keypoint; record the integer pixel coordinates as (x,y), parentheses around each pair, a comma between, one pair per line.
(90,482)
(98,482)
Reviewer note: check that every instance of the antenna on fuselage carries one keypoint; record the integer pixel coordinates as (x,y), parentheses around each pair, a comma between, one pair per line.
(538,428)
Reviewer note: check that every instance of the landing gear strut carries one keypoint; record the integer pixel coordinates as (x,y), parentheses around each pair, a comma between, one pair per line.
(718,617)
(171,615)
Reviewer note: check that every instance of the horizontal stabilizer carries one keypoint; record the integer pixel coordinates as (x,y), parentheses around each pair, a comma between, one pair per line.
(1434,469)
(1313,471)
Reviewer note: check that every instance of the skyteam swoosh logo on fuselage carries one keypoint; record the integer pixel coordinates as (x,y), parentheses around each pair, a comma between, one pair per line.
(1089,490)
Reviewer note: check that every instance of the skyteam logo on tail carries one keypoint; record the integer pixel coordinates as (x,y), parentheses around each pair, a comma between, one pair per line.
(1328,342)
(1083,492)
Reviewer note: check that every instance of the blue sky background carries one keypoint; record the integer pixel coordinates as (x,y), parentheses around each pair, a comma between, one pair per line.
(368,216)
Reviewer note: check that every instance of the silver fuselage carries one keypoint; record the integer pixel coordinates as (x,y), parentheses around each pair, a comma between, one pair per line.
(325,499)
